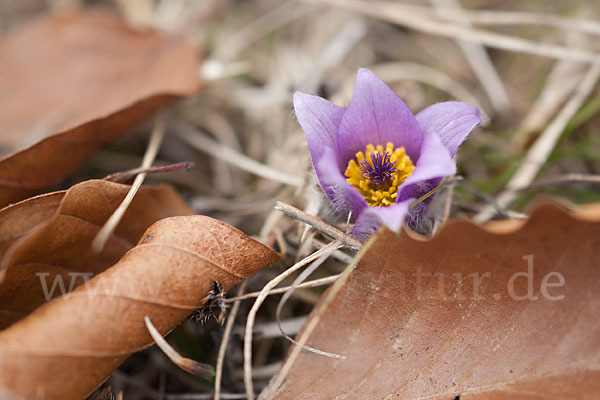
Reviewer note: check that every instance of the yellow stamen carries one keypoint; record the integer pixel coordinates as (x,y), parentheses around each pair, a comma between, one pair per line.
(382,194)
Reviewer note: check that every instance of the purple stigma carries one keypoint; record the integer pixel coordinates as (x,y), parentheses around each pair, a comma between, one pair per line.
(381,171)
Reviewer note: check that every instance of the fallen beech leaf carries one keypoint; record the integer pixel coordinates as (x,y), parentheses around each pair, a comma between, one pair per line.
(447,317)
(18,219)
(90,332)
(73,82)
(47,239)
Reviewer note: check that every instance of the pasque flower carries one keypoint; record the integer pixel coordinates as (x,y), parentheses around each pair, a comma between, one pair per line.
(376,158)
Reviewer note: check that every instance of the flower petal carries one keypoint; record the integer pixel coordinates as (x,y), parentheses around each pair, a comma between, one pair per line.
(343,195)
(373,217)
(320,121)
(377,115)
(452,121)
(435,162)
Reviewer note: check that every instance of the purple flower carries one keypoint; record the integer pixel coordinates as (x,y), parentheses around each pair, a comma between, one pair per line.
(375,158)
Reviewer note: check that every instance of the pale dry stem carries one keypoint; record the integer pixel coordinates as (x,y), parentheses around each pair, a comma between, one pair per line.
(198,140)
(480,62)
(193,367)
(254,310)
(396,13)
(151,151)
(225,341)
(313,322)
(301,278)
(310,284)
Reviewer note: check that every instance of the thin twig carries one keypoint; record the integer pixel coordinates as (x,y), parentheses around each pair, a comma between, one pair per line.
(543,146)
(254,310)
(225,341)
(126,175)
(396,13)
(318,224)
(198,140)
(151,152)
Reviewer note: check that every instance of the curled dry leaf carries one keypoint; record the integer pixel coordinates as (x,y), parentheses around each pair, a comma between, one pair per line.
(94,329)
(18,219)
(470,313)
(73,82)
(45,241)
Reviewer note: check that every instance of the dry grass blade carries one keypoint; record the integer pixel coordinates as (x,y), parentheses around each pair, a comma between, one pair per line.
(195,138)
(225,341)
(395,13)
(288,293)
(280,16)
(193,367)
(151,151)
(210,396)
(543,146)
(254,310)
(560,84)
(138,13)
(480,62)
(503,17)
(500,17)
(312,323)
(309,284)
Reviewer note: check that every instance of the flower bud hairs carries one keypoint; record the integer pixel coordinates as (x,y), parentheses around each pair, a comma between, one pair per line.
(376,159)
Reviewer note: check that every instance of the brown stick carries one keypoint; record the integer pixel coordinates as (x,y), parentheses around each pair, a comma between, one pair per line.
(318,224)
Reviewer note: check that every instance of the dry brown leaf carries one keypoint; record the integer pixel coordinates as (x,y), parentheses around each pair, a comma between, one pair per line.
(68,346)
(73,82)
(51,235)
(420,320)
(18,219)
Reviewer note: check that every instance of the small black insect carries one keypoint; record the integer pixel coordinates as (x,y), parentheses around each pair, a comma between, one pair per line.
(216,298)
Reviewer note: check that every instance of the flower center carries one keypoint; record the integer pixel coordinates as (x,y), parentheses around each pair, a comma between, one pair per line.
(378,173)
